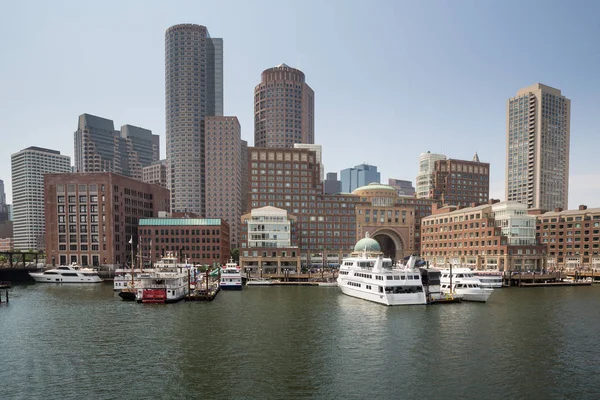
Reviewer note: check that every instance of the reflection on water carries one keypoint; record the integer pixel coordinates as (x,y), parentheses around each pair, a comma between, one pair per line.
(67,341)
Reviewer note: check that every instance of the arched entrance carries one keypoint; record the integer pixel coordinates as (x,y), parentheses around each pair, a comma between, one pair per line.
(391,244)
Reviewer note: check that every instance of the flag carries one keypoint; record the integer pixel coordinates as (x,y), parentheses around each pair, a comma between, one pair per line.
(131,240)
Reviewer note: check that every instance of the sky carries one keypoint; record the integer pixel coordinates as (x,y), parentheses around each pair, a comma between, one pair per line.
(392,79)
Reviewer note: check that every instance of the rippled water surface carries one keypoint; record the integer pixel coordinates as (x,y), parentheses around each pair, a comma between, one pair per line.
(72,342)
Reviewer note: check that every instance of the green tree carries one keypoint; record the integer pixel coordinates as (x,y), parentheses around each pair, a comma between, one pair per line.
(235,254)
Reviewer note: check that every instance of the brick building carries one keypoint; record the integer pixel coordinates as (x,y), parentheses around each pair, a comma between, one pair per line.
(386,220)
(422,209)
(493,236)
(460,182)
(202,241)
(571,236)
(290,179)
(90,217)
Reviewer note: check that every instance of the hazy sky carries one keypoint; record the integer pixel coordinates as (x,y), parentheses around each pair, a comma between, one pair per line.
(392,79)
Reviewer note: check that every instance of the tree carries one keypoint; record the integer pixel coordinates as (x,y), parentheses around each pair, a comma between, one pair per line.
(235,255)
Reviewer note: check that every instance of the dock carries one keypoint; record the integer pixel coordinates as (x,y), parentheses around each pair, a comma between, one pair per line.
(4,285)
(554,284)
(203,295)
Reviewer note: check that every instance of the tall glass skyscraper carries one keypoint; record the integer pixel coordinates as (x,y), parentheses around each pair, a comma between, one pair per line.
(538,131)
(360,175)
(193,90)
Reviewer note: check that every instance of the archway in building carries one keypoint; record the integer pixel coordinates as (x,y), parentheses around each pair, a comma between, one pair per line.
(390,243)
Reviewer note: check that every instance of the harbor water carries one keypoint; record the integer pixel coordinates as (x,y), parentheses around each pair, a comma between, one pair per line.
(82,341)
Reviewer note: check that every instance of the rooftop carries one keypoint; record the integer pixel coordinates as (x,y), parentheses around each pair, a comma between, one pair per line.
(180,222)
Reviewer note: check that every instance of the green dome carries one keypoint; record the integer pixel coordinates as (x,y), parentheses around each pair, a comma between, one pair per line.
(367,244)
(375,186)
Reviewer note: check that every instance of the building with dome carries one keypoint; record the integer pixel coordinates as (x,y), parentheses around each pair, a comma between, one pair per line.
(389,222)
(367,245)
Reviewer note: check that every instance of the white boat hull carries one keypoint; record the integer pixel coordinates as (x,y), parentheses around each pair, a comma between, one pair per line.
(41,278)
(259,283)
(477,295)
(403,299)
(231,285)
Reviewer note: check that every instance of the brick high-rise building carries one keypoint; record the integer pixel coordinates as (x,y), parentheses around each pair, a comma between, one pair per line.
(460,182)
(101,148)
(91,217)
(28,168)
(193,90)
(223,163)
(284,109)
(538,131)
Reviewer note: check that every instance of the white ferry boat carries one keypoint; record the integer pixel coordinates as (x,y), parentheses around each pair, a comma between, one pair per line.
(464,283)
(67,274)
(367,275)
(231,277)
(378,280)
(168,283)
(489,279)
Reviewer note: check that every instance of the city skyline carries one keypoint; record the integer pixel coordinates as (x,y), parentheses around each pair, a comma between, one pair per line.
(442,91)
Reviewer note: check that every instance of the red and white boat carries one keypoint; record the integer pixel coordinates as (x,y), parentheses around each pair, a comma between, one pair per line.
(168,283)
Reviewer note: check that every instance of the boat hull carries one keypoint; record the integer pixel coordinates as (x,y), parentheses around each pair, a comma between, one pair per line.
(259,283)
(160,296)
(41,278)
(405,299)
(479,296)
(232,287)
(127,295)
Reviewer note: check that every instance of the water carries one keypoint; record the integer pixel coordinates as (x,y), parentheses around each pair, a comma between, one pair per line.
(70,341)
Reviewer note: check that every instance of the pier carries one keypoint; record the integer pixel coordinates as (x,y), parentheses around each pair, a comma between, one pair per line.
(533,279)
(4,286)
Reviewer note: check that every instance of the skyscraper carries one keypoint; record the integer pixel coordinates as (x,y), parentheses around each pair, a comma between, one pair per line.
(3,206)
(224,172)
(284,109)
(360,175)
(28,167)
(425,175)
(193,90)
(2,193)
(538,134)
(101,148)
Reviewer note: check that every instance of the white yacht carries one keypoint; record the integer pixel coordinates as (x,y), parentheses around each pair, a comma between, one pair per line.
(67,274)
(489,279)
(168,283)
(464,283)
(367,275)
(231,277)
